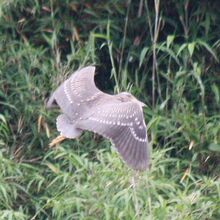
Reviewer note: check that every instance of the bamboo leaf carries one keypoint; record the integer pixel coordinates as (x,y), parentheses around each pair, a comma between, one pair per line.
(208,48)
(191,47)
(170,39)
(142,56)
(214,147)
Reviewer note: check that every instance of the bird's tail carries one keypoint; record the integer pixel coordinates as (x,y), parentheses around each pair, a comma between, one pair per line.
(66,127)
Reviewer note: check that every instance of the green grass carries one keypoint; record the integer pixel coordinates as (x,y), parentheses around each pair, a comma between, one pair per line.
(170,64)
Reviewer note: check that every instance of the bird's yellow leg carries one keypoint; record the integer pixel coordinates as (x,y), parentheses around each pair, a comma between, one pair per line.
(56,141)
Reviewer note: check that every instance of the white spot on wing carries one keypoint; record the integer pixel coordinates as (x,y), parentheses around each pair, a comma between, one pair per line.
(136,136)
(66,92)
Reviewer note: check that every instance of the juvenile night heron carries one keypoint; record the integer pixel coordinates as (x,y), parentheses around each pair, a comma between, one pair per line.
(116,117)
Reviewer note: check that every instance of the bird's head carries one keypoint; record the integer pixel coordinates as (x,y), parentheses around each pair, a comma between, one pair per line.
(126,97)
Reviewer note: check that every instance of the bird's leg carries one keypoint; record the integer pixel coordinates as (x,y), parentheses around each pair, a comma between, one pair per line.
(56,141)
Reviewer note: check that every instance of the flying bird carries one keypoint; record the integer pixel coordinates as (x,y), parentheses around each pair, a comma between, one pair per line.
(118,118)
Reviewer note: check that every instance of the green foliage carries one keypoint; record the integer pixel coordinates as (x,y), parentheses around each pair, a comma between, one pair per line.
(164,52)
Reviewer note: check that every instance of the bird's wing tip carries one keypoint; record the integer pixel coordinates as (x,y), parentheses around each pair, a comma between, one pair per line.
(142,167)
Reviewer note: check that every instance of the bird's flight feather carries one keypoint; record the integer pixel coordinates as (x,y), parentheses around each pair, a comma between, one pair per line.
(85,107)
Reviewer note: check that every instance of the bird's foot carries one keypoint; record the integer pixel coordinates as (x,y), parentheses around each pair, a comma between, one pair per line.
(56,141)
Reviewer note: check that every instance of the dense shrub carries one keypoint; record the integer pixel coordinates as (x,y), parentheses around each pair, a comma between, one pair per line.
(164,52)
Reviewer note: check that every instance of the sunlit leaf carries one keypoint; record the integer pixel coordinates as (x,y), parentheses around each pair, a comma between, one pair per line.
(191,47)
(170,39)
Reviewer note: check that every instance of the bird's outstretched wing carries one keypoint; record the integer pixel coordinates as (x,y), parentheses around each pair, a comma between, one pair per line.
(76,94)
(122,123)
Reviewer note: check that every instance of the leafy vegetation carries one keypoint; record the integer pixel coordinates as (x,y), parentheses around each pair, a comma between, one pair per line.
(166,53)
